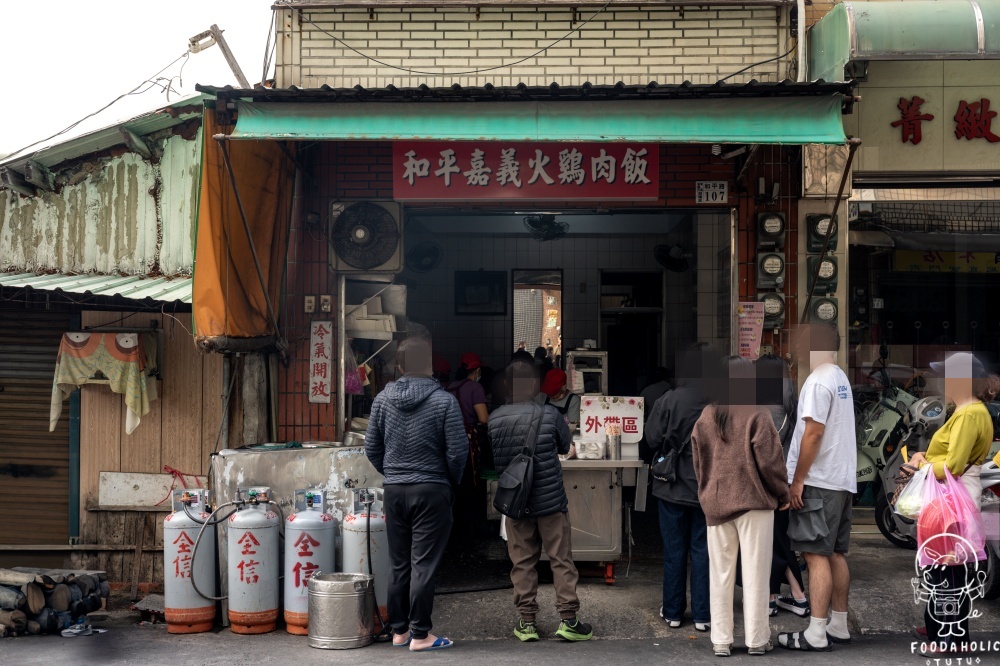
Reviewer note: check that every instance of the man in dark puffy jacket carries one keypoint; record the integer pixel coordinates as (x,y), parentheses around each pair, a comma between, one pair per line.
(417,441)
(547,523)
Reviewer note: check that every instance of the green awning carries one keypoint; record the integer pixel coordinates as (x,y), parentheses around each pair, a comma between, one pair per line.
(916,30)
(757,120)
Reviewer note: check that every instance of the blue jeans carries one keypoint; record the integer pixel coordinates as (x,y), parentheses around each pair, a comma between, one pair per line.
(684,533)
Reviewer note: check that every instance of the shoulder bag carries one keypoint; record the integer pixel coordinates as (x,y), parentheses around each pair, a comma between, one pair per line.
(514,484)
(664,468)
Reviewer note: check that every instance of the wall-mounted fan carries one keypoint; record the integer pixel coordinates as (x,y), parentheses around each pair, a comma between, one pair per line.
(545,227)
(671,257)
(365,236)
(424,257)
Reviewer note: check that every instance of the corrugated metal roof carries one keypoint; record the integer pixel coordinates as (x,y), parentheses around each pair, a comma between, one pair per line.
(133,287)
(57,150)
(523,92)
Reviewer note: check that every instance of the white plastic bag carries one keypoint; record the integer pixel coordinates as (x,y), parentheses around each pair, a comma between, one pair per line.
(911,499)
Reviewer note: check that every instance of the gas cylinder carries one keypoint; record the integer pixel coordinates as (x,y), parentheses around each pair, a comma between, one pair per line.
(310,547)
(367,520)
(186,611)
(253,565)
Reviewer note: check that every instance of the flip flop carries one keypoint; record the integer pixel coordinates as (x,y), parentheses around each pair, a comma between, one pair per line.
(440,644)
(797,641)
(838,641)
(409,639)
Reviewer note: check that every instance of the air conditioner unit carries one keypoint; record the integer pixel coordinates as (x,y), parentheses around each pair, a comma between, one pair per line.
(366,236)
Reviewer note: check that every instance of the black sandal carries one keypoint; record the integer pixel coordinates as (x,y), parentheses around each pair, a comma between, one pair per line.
(797,641)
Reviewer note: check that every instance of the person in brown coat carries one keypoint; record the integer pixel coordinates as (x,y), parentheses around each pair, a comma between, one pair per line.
(741,481)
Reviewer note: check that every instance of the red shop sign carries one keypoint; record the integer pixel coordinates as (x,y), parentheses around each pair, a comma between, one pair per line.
(497,171)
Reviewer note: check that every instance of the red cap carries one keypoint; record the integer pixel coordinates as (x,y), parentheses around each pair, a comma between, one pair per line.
(555,379)
(471,361)
(441,365)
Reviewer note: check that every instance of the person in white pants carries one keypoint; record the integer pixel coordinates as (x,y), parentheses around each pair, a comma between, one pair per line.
(741,481)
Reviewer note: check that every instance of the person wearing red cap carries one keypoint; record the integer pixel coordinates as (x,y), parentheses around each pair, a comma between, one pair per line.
(442,370)
(561,397)
(470,393)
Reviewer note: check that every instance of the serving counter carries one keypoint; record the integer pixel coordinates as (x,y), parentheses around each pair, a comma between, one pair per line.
(596,508)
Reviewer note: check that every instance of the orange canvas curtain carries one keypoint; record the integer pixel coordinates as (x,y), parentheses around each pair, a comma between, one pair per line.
(230,311)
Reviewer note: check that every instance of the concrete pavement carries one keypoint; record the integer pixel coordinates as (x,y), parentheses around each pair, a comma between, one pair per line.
(624,615)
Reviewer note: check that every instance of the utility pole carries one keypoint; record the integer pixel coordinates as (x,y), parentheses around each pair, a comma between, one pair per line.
(214,36)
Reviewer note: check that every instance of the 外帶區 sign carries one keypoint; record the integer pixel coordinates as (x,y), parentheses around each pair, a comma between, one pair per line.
(598,411)
(497,171)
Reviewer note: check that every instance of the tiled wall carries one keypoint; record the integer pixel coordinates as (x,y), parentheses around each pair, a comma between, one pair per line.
(581,258)
(472,46)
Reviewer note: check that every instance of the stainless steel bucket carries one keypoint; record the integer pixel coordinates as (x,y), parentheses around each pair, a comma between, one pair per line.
(341,611)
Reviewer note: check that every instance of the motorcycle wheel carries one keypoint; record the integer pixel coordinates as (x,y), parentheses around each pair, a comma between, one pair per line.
(991,586)
(887,526)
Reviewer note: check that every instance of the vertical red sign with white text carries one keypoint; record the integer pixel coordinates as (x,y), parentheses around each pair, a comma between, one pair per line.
(499,171)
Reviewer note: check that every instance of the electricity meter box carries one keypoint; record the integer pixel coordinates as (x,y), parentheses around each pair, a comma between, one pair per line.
(770,270)
(826,280)
(770,231)
(824,311)
(816,230)
(774,309)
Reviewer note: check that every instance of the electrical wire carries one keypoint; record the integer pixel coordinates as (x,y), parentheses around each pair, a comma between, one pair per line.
(269,47)
(462,73)
(757,64)
(150,82)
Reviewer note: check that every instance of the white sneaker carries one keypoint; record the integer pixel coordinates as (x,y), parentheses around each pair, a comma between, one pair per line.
(673,624)
(702,626)
(722,650)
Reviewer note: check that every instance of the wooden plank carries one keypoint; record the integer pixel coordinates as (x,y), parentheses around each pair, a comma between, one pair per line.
(211,406)
(114,533)
(141,449)
(182,400)
(140,535)
(148,538)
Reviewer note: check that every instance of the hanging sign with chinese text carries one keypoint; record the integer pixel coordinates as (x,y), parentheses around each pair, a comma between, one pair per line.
(497,171)
(320,364)
(750,319)
(597,412)
(934,261)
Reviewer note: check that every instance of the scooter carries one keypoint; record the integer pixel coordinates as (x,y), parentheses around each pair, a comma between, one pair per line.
(990,509)
(881,427)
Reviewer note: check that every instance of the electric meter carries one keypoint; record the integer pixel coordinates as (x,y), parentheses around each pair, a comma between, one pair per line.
(774,309)
(818,225)
(770,231)
(824,310)
(825,276)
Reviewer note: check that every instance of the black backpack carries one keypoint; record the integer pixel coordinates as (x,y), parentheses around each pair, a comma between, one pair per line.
(514,484)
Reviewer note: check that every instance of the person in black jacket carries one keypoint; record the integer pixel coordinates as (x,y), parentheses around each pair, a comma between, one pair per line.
(417,441)
(547,524)
(682,521)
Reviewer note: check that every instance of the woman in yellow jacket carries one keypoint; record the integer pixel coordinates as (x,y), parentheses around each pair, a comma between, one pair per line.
(960,446)
(963,442)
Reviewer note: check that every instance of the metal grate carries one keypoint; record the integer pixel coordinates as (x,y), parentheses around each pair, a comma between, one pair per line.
(954,217)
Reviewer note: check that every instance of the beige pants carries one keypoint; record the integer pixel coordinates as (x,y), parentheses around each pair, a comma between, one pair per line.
(751,534)
(525,540)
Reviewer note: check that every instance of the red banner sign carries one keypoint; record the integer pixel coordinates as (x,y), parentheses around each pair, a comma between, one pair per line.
(497,171)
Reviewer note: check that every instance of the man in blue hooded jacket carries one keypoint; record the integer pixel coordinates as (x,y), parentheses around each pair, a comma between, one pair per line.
(416,439)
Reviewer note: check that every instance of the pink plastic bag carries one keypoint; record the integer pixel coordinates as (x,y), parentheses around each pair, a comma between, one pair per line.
(950,529)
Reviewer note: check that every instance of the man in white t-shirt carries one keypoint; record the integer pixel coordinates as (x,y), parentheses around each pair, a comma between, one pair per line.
(822,473)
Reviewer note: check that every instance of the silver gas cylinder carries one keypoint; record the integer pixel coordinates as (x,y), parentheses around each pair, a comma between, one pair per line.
(367,521)
(253,564)
(310,548)
(185,610)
